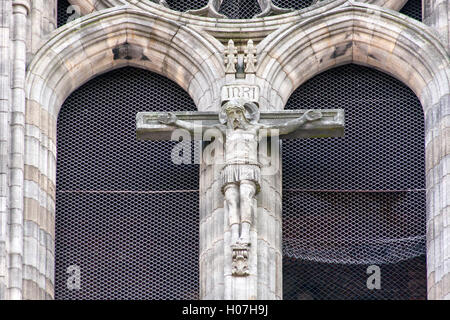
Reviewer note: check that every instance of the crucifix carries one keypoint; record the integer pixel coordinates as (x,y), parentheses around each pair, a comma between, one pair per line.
(240,127)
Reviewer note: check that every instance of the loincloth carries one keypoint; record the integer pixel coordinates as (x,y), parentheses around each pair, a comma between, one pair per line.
(235,173)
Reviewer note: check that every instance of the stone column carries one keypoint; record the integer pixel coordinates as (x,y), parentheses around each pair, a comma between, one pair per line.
(212,278)
(438,198)
(5,101)
(436,13)
(265,258)
(269,226)
(42,21)
(21,9)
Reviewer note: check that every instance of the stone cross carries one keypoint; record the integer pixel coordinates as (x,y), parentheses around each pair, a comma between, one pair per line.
(240,126)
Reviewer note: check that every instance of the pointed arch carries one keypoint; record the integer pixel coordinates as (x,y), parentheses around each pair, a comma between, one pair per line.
(390,42)
(356,33)
(74,54)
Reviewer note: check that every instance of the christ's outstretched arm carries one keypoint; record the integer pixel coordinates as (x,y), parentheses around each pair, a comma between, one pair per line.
(172,120)
(293,125)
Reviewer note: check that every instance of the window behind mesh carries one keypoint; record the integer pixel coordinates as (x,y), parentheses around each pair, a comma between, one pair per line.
(241,9)
(294,4)
(63,15)
(413,9)
(357,201)
(185,5)
(125,214)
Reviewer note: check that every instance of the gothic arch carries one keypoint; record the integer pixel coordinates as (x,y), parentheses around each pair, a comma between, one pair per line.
(385,40)
(356,33)
(74,54)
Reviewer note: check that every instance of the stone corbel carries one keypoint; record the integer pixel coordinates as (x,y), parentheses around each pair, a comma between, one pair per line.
(211,10)
(269,9)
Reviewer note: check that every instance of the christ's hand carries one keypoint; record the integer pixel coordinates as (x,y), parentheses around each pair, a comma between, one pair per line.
(313,115)
(168,118)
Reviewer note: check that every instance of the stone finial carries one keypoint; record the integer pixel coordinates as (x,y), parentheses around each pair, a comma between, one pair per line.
(230,57)
(250,58)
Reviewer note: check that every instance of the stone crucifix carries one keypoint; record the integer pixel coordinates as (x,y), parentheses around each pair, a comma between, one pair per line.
(240,123)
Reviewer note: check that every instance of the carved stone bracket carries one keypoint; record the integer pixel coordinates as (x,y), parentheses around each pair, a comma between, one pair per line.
(240,260)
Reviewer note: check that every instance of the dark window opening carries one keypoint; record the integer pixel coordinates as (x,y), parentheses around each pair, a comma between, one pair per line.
(125,214)
(357,201)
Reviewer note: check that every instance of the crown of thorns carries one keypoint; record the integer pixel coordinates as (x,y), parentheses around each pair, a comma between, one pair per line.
(233,106)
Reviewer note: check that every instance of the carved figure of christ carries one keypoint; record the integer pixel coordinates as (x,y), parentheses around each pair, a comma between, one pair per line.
(241,174)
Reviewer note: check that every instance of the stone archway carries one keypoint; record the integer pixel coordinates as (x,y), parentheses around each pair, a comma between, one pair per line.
(370,36)
(74,54)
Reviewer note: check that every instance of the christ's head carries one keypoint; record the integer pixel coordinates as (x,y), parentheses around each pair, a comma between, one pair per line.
(235,112)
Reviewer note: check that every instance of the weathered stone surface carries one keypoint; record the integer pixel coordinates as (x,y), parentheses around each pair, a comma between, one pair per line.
(188,49)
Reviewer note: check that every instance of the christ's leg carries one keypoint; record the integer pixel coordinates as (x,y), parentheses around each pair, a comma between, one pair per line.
(232,202)
(247,197)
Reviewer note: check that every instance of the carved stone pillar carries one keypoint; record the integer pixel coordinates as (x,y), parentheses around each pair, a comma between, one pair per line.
(5,97)
(264,261)
(21,9)
(436,13)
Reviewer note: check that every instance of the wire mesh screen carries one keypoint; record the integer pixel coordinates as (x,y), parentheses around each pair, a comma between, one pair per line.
(63,12)
(294,4)
(413,9)
(240,9)
(357,201)
(237,9)
(125,215)
(186,4)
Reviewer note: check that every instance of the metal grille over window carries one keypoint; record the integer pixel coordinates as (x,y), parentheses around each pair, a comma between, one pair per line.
(353,202)
(240,9)
(294,4)
(413,9)
(125,214)
(186,5)
(63,14)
